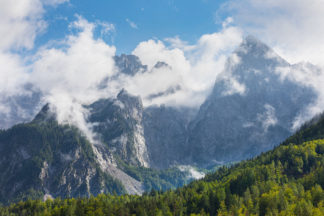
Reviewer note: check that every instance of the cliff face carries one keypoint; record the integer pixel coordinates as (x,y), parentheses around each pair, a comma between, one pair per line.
(118,122)
(165,130)
(44,158)
(250,110)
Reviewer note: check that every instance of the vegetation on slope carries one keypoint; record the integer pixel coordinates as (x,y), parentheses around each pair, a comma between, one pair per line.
(24,150)
(153,179)
(288,180)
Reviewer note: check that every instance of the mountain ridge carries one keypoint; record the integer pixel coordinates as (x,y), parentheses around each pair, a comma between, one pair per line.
(250,110)
(287,180)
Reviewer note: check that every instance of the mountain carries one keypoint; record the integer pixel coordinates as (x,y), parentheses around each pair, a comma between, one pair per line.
(251,108)
(133,149)
(43,159)
(288,180)
(129,64)
(119,124)
(165,132)
(24,106)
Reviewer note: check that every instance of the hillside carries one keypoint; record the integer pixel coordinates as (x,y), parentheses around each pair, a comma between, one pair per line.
(285,181)
(42,159)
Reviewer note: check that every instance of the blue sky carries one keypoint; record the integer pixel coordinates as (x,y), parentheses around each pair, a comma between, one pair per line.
(151,19)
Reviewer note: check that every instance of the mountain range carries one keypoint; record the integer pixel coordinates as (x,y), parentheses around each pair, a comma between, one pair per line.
(287,180)
(250,110)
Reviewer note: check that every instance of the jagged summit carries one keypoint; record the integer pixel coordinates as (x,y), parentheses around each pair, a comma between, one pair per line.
(252,50)
(129,100)
(251,108)
(129,64)
(160,64)
(45,114)
(252,42)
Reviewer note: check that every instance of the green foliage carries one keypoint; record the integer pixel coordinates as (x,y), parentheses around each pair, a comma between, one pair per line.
(286,181)
(311,130)
(156,179)
(43,142)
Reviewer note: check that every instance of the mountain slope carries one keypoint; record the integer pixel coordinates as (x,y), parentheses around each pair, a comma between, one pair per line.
(48,158)
(165,132)
(251,108)
(119,124)
(288,180)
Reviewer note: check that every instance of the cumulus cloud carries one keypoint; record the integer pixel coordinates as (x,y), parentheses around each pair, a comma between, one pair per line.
(192,68)
(21,21)
(70,77)
(293,28)
(79,69)
(67,77)
(20,24)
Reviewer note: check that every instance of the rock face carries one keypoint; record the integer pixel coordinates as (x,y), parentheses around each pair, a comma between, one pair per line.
(250,110)
(129,64)
(152,137)
(118,122)
(44,158)
(165,130)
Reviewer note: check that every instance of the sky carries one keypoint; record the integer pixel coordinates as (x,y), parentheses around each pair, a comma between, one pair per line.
(135,21)
(65,48)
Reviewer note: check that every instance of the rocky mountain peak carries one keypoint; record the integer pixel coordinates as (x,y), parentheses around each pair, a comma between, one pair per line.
(252,44)
(129,64)
(129,100)
(251,107)
(160,64)
(256,54)
(45,114)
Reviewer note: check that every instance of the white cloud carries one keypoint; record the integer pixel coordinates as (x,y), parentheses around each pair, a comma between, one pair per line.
(131,24)
(13,75)
(268,118)
(21,21)
(67,76)
(294,28)
(193,173)
(309,76)
(193,68)
(68,72)
(78,68)
(70,77)
(176,42)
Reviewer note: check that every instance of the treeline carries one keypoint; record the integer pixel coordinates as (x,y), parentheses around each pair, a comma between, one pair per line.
(286,181)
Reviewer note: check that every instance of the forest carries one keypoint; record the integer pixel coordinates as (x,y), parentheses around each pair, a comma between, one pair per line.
(288,180)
